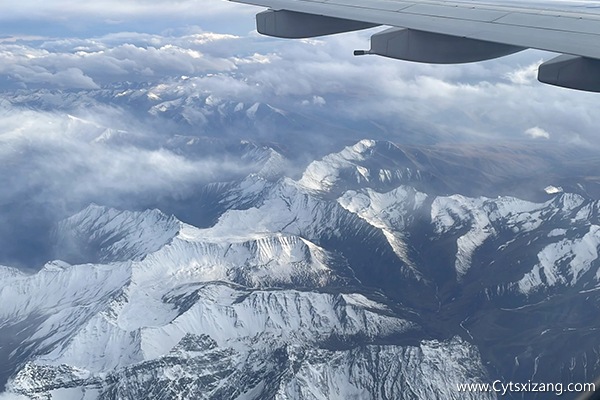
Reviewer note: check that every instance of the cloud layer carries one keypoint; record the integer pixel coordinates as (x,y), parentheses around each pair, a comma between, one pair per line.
(53,164)
(59,95)
(537,133)
(497,99)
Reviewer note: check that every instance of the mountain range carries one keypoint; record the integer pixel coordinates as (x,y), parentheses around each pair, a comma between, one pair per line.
(376,271)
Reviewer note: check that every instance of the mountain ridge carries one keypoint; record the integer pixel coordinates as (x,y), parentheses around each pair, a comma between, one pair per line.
(291,275)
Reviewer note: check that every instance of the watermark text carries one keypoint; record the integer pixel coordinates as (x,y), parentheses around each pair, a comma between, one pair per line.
(504,388)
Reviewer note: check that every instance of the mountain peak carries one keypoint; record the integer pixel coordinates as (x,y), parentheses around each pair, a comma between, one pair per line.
(379,165)
(103,234)
(364,145)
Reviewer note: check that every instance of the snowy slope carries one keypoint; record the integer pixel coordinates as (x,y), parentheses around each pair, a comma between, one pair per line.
(348,283)
(391,212)
(368,163)
(102,234)
(480,219)
(564,262)
(178,308)
(431,371)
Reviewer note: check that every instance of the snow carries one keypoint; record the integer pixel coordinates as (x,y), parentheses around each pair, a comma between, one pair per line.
(128,312)
(360,300)
(391,212)
(122,319)
(319,176)
(285,208)
(251,394)
(570,201)
(557,232)
(55,290)
(67,394)
(393,209)
(518,211)
(584,213)
(153,96)
(265,258)
(429,370)
(447,212)
(119,303)
(9,272)
(577,254)
(125,93)
(484,216)
(324,174)
(251,111)
(229,316)
(13,396)
(111,331)
(114,234)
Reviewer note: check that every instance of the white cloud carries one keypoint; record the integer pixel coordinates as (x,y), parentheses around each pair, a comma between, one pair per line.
(553,189)
(318,101)
(210,37)
(537,133)
(68,161)
(88,63)
(525,75)
(492,100)
(70,77)
(460,101)
(64,150)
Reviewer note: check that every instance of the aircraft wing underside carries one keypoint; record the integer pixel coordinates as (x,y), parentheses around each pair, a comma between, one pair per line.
(449,32)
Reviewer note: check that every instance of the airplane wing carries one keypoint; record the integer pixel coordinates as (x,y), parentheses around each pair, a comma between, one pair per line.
(449,32)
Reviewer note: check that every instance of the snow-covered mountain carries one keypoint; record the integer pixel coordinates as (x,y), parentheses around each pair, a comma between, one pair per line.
(359,279)
(210,316)
(377,164)
(145,114)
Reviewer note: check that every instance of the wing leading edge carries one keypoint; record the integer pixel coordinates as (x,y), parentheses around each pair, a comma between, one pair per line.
(449,32)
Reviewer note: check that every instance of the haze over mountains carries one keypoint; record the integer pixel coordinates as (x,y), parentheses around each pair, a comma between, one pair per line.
(370,256)
(209,228)
(139,146)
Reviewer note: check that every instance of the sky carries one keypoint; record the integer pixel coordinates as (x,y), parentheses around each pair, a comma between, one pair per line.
(59,59)
(69,17)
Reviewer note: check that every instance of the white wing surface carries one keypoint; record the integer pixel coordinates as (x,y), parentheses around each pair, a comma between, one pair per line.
(451,32)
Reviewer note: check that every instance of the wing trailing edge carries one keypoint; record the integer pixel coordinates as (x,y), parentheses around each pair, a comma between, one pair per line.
(450,32)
